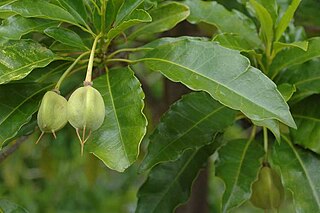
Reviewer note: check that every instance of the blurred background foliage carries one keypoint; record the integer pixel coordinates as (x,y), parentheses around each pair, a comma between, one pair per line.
(52,177)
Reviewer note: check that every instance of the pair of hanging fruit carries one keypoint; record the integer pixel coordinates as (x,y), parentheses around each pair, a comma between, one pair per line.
(84,110)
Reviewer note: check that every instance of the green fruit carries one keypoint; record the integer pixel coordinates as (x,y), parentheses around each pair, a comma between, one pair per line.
(86,109)
(267,191)
(52,114)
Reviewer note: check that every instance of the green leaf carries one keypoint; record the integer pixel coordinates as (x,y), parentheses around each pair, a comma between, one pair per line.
(66,36)
(190,123)
(136,17)
(286,18)
(7,206)
(225,74)
(76,8)
(272,125)
(287,90)
(164,18)
(307,116)
(266,22)
(19,58)
(117,141)
(39,9)
(18,103)
(238,165)
(127,7)
(169,184)
(226,21)
(278,46)
(299,170)
(294,56)
(16,26)
(272,8)
(113,7)
(305,77)
(233,41)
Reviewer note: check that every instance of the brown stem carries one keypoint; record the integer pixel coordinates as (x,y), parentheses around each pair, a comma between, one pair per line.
(9,150)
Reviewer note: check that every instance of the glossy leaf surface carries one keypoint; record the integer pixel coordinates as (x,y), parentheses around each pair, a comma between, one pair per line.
(117,141)
(294,56)
(16,26)
(43,9)
(18,103)
(307,116)
(136,17)
(204,68)
(190,123)
(66,36)
(299,170)
(226,21)
(19,58)
(127,7)
(169,184)
(164,18)
(305,77)
(238,165)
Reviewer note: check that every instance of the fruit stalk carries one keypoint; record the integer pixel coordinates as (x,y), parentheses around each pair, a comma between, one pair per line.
(88,80)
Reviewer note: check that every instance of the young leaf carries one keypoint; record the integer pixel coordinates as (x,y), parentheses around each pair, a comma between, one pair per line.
(16,26)
(39,9)
(278,46)
(226,21)
(238,165)
(265,20)
(307,116)
(66,36)
(298,168)
(19,103)
(286,18)
(164,18)
(136,17)
(117,141)
(294,56)
(113,7)
(169,184)
(127,7)
(19,58)
(190,123)
(225,74)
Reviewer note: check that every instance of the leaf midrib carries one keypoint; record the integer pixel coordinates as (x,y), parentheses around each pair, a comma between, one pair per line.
(237,175)
(175,179)
(305,171)
(218,83)
(116,116)
(24,67)
(188,130)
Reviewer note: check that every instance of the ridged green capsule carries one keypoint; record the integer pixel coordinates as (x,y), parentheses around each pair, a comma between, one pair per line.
(86,111)
(52,114)
(267,191)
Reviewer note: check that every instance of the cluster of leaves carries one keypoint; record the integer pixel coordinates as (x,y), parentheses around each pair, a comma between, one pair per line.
(255,63)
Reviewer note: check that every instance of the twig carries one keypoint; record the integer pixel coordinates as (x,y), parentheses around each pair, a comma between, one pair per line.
(11,149)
